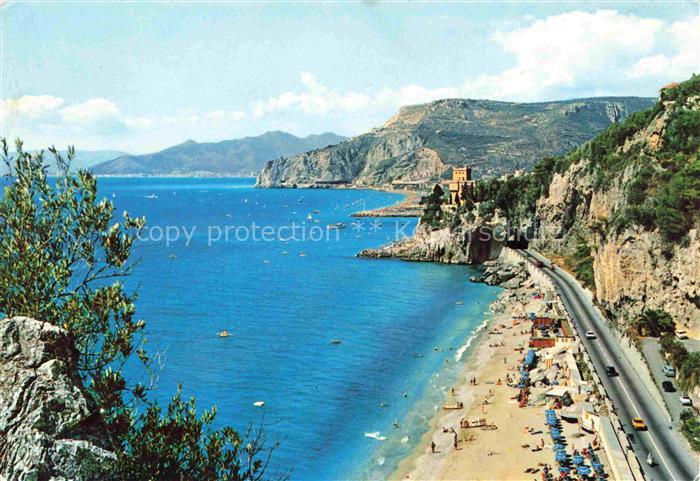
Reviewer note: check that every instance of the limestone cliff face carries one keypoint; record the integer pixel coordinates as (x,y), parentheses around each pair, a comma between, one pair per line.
(470,244)
(422,141)
(49,430)
(633,268)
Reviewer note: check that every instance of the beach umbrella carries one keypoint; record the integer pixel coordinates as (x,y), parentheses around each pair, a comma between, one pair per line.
(578,459)
(560,457)
(564,470)
(583,470)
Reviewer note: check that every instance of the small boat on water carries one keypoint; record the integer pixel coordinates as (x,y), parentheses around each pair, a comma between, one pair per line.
(336,341)
(459,303)
(309,217)
(259,404)
(337,225)
(302,254)
(224,333)
(152,196)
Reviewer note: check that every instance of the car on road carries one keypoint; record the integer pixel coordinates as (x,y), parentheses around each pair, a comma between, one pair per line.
(668,371)
(590,335)
(638,424)
(668,386)
(611,371)
(682,335)
(539,264)
(685,400)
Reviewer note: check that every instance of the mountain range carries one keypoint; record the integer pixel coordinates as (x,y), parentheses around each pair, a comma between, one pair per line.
(237,157)
(421,141)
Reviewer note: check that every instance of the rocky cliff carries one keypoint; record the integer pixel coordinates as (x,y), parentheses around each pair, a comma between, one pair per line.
(636,263)
(622,211)
(471,243)
(49,429)
(422,141)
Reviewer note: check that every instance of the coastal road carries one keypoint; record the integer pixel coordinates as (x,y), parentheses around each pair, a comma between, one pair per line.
(627,392)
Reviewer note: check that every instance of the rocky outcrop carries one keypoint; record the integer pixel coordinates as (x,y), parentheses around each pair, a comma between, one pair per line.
(472,244)
(422,141)
(49,429)
(634,269)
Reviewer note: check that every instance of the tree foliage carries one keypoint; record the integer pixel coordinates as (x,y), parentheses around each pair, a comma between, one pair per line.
(689,374)
(432,212)
(62,258)
(654,323)
(674,349)
(690,428)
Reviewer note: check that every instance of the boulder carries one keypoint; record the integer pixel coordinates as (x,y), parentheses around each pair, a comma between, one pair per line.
(49,428)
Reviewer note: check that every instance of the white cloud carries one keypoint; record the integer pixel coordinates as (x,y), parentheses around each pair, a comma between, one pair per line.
(138,122)
(684,40)
(567,55)
(574,53)
(29,106)
(92,110)
(317,99)
(224,116)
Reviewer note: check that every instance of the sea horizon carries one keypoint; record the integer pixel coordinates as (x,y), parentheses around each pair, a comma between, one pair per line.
(353,394)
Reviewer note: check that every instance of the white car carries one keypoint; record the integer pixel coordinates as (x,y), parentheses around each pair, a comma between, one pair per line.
(590,335)
(685,400)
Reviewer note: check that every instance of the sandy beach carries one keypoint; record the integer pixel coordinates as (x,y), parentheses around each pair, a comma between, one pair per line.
(508,448)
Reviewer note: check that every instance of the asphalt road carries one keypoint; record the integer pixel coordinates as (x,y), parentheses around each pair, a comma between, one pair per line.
(628,394)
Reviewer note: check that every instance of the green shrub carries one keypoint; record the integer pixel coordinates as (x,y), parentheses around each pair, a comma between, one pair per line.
(63,253)
(432,213)
(654,323)
(581,262)
(691,428)
(689,374)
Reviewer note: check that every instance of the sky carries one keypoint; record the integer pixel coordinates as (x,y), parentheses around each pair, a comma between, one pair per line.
(139,77)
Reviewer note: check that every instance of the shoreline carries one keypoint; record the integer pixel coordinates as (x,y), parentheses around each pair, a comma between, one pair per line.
(493,436)
(421,464)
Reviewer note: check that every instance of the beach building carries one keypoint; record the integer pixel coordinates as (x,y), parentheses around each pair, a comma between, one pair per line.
(461,183)
(412,184)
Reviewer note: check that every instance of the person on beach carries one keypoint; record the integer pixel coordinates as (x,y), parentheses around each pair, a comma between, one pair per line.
(432,446)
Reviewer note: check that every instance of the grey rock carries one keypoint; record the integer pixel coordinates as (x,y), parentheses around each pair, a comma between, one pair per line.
(49,428)
(422,141)
(513,283)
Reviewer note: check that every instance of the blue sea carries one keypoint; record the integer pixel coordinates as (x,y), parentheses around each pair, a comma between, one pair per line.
(262,264)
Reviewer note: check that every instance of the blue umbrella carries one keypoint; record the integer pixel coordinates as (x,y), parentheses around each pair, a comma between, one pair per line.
(560,457)
(584,470)
(578,459)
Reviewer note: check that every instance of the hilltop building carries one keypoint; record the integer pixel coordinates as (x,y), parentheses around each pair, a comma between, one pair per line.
(461,183)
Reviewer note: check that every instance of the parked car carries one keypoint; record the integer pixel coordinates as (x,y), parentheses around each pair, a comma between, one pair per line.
(539,263)
(681,334)
(668,386)
(610,371)
(638,424)
(668,371)
(590,335)
(685,400)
